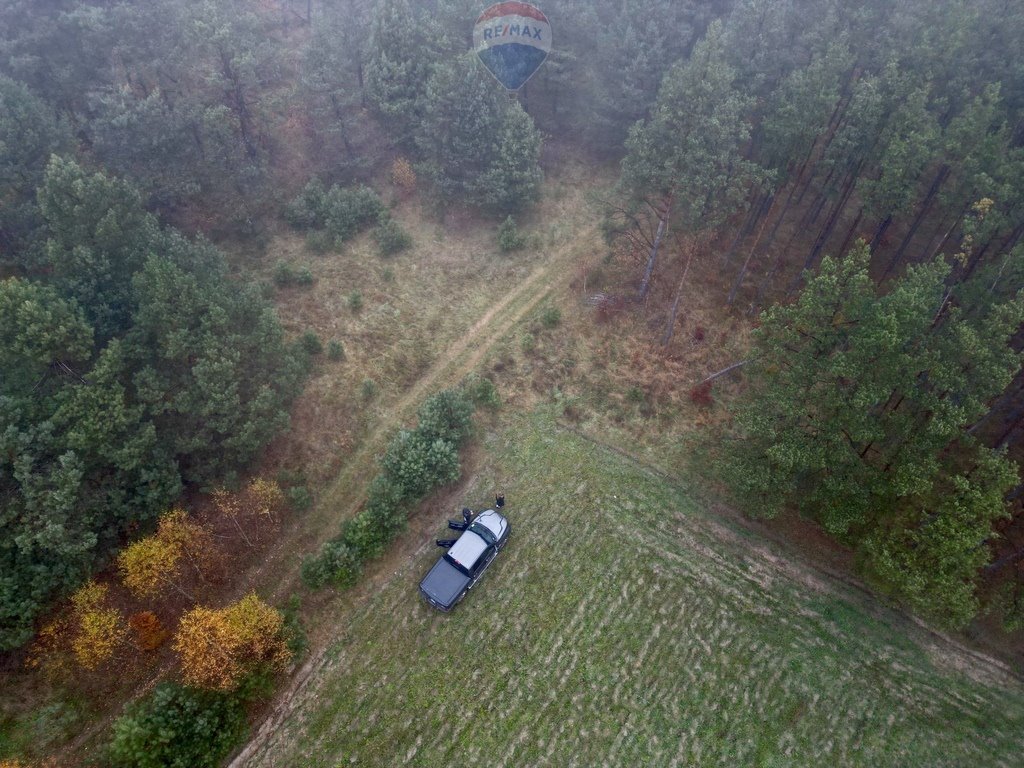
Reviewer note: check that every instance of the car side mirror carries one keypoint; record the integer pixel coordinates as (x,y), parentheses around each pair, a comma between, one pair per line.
(446,543)
(499,500)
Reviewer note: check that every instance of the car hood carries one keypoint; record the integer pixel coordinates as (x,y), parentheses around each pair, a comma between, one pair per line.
(444,583)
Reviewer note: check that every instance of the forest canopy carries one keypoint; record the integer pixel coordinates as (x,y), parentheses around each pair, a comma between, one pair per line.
(874,149)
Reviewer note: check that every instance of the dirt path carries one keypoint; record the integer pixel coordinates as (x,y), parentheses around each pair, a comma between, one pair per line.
(280,572)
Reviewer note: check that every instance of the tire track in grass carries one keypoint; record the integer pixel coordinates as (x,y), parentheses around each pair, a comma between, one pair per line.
(348,491)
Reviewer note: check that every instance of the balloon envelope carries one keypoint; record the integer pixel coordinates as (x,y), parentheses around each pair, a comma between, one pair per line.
(512,40)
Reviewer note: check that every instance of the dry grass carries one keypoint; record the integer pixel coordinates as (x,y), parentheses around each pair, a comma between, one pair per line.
(415,306)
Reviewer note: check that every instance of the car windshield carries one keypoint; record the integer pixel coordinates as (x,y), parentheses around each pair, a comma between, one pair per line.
(483,532)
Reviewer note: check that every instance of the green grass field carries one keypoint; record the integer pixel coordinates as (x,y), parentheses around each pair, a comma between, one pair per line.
(623,626)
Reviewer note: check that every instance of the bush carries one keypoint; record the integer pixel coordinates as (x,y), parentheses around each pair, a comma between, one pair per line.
(340,212)
(385,502)
(403,176)
(309,208)
(448,415)
(177,727)
(349,211)
(150,633)
(528,342)
(355,301)
(366,535)
(419,463)
(336,563)
(509,238)
(551,317)
(294,632)
(335,350)
(390,236)
(284,275)
(299,498)
(311,343)
(304,277)
(482,392)
(368,389)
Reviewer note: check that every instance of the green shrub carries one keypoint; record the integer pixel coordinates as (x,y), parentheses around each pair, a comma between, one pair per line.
(304,277)
(311,343)
(284,275)
(350,210)
(447,415)
(482,391)
(355,301)
(385,501)
(368,389)
(390,236)
(387,275)
(366,535)
(177,727)
(528,342)
(299,498)
(294,632)
(340,212)
(419,463)
(509,238)
(335,350)
(309,208)
(336,563)
(550,317)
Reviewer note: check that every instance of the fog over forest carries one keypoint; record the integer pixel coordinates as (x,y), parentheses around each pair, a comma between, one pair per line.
(732,291)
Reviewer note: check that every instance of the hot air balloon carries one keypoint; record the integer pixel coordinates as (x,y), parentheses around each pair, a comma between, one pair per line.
(512,40)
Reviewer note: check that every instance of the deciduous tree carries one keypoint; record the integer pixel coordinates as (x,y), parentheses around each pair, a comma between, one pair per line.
(218,648)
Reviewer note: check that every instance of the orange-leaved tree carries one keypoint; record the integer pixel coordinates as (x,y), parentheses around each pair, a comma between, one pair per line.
(219,648)
(403,176)
(149,631)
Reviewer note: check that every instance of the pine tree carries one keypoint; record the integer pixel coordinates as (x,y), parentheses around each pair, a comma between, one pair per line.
(480,148)
(856,416)
(684,161)
(398,69)
(29,133)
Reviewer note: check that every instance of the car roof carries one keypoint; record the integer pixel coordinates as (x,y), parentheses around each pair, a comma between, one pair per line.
(467,550)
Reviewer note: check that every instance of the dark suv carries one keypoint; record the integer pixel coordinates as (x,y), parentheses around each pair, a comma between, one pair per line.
(484,534)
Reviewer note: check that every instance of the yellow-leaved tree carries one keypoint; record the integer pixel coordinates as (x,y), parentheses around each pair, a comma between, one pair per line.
(266,498)
(156,561)
(98,627)
(219,648)
(87,633)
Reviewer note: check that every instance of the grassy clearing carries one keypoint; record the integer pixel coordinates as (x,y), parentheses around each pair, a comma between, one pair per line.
(411,309)
(636,631)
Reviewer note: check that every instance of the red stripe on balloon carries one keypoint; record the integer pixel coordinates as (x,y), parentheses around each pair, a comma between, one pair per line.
(512,9)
